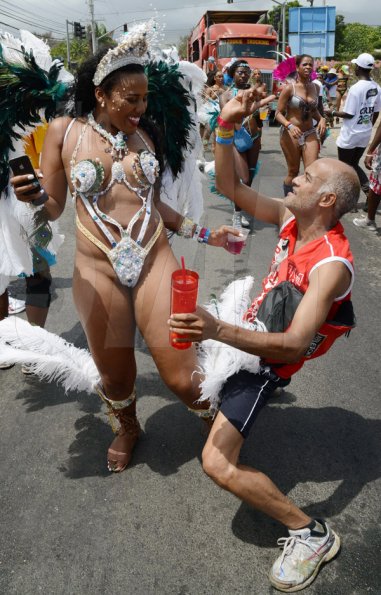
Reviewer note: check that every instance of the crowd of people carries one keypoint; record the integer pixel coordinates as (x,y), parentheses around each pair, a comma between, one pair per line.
(108,151)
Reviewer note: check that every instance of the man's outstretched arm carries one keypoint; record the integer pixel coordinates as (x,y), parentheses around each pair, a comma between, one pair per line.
(264,208)
(327,283)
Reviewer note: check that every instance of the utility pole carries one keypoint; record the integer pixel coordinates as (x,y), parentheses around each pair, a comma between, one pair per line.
(68,43)
(93,36)
(284,27)
(283,5)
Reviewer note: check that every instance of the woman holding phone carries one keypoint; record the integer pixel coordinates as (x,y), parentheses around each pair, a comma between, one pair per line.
(110,157)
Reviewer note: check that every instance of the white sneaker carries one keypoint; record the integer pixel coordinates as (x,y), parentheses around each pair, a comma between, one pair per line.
(303,554)
(365,223)
(245,222)
(15,306)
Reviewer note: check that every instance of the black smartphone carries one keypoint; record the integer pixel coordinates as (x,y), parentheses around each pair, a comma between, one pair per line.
(22,166)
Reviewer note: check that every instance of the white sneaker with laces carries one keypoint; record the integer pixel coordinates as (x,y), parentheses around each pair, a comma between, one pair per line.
(303,554)
(365,223)
(15,306)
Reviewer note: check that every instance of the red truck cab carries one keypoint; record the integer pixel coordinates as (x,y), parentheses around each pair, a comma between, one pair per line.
(225,35)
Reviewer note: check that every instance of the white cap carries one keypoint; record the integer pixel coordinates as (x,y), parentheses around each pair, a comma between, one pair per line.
(364,61)
(332,71)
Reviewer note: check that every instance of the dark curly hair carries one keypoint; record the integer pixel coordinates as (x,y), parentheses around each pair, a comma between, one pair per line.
(235,65)
(85,101)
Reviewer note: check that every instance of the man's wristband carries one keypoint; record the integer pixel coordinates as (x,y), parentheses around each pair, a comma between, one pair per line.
(289,126)
(206,236)
(224,124)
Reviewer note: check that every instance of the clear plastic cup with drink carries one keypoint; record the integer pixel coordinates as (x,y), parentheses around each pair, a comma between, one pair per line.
(236,243)
(263,112)
(184,288)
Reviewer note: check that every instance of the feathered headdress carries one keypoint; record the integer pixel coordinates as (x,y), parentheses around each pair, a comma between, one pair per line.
(30,83)
(287,69)
(132,49)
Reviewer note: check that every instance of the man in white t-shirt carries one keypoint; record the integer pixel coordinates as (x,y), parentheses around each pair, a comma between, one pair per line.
(359,114)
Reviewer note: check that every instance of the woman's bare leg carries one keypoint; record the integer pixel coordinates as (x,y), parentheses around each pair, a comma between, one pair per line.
(310,150)
(106,312)
(252,158)
(152,298)
(241,166)
(292,153)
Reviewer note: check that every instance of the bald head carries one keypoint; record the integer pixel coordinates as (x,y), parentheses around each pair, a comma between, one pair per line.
(342,180)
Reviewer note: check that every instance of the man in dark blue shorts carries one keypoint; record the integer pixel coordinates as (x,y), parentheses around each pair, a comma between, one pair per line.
(312,269)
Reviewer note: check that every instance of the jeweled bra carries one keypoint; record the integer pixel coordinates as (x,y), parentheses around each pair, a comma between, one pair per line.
(126,256)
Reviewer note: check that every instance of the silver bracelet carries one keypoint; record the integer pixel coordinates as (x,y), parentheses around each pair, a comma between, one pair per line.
(196,232)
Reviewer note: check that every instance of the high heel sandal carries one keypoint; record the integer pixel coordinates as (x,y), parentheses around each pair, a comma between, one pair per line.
(128,429)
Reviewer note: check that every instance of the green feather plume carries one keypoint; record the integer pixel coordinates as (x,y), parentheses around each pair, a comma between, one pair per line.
(168,103)
(25,90)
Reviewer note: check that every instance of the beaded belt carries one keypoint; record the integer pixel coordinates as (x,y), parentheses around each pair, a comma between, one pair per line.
(127,258)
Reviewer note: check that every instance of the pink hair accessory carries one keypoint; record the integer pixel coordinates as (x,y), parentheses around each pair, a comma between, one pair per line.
(287,69)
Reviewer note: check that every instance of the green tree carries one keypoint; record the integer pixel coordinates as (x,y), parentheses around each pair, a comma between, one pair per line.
(339,33)
(106,38)
(274,17)
(182,46)
(357,38)
(79,50)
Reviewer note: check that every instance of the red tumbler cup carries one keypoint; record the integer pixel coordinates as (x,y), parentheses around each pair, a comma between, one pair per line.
(184,287)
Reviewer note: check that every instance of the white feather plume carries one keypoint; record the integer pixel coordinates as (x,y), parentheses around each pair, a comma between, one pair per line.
(217,360)
(16,256)
(11,47)
(49,356)
(12,53)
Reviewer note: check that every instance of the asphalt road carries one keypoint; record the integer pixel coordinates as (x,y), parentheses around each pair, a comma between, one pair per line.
(162,527)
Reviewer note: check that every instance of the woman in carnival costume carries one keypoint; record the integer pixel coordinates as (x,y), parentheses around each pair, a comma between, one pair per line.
(297,108)
(110,155)
(206,114)
(31,86)
(247,139)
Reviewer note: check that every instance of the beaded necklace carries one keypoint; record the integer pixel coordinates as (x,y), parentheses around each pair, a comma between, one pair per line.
(80,172)
(118,142)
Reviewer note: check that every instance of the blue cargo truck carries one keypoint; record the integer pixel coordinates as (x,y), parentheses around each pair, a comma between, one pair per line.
(312,31)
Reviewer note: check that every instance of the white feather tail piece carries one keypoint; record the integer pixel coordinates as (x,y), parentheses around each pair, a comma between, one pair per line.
(217,360)
(49,356)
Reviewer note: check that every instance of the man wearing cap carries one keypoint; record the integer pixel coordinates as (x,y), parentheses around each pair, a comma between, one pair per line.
(359,114)
(330,83)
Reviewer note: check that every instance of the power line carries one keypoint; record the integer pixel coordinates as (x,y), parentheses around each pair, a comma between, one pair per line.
(24,10)
(83,14)
(32,23)
(150,10)
(7,25)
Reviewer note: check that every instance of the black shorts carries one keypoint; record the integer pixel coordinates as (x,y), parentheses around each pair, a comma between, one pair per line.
(244,395)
